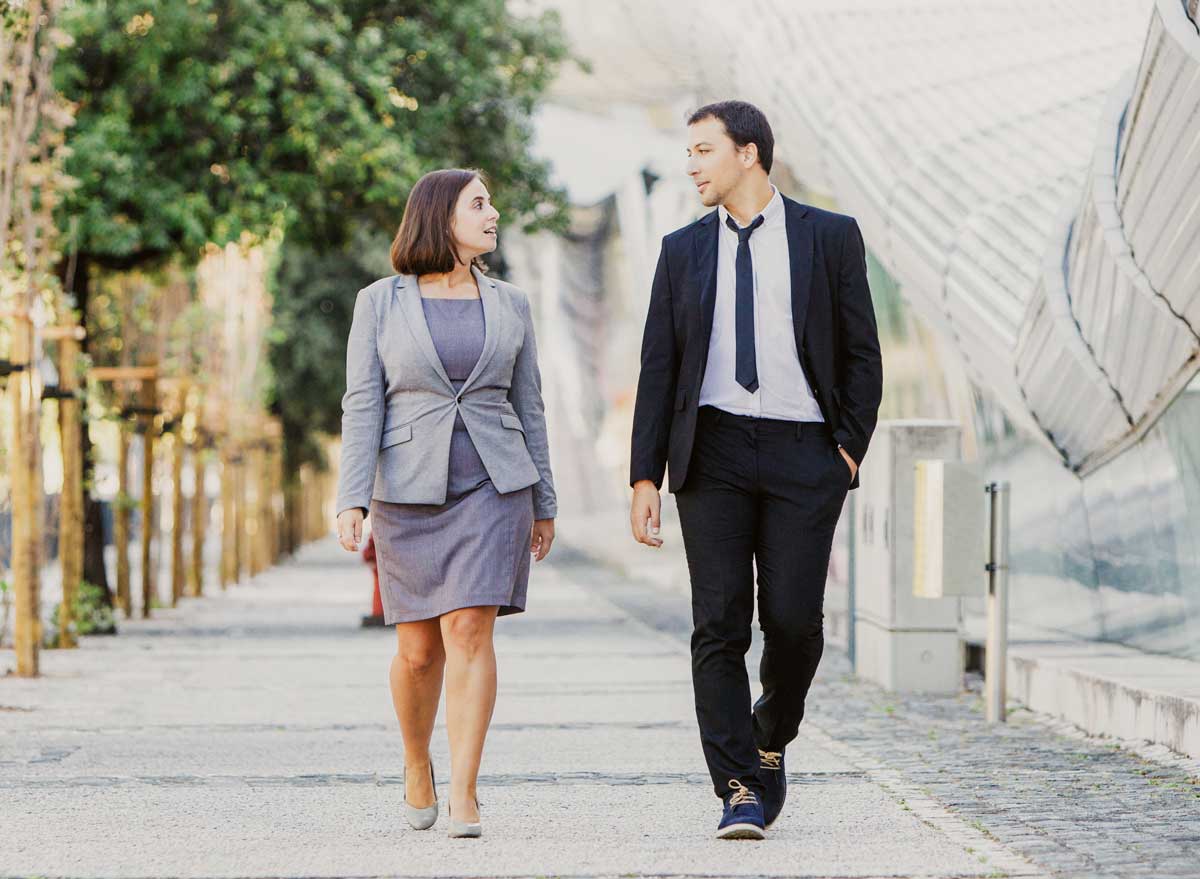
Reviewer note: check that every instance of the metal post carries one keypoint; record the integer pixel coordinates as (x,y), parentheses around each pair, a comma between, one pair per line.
(997,570)
(851,642)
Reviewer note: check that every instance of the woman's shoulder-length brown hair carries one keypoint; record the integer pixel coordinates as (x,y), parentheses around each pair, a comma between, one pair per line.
(424,243)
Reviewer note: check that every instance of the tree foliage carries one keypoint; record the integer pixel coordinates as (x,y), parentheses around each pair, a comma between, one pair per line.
(200,119)
(450,84)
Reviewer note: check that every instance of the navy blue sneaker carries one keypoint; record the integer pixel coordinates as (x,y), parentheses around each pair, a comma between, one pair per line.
(774,781)
(743,818)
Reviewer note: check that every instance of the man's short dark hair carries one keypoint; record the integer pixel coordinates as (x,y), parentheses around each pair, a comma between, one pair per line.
(744,123)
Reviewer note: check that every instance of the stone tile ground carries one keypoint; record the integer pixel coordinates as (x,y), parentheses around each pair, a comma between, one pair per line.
(250,734)
(1076,805)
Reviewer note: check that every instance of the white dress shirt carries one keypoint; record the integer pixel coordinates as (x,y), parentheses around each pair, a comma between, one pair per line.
(783,391)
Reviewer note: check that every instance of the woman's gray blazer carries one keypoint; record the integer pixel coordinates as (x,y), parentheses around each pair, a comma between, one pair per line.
(399,407)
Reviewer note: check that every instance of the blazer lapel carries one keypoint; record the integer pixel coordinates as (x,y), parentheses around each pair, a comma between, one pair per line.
(705,243)
(410,302)
(800,258)
(491,323)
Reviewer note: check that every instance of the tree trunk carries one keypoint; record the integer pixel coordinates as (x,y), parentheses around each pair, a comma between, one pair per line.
(70,532)
(74,275)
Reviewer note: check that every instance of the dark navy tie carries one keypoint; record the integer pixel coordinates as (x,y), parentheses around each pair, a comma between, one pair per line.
(746,369)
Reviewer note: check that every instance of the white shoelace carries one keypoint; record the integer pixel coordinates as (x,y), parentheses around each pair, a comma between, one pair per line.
(743,796)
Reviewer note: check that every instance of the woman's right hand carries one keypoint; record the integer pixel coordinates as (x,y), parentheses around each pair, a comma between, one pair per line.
(349,528)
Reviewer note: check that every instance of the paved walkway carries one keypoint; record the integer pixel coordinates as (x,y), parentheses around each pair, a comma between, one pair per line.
(250,733)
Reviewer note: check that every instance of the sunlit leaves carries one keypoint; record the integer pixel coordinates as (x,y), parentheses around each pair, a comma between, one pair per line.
(205,118)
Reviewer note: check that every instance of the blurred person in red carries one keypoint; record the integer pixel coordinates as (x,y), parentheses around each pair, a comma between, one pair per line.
(375,617)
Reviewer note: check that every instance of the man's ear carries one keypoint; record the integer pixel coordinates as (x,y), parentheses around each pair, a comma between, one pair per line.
(750,154)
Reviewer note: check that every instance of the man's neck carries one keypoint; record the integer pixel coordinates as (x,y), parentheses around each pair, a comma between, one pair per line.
(744,206)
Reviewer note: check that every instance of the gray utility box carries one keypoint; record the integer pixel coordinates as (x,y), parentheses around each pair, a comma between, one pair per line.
(902,642)
(950,530)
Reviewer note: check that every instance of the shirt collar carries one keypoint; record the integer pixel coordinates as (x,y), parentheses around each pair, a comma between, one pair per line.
(771,214)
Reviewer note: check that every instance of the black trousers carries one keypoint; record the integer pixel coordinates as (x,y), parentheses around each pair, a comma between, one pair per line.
(769,492)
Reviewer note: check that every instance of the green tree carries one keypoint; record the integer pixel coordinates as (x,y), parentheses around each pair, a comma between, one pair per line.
(453,84)
(197,120)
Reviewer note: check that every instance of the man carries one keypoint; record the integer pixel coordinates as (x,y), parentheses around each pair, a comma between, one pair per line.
(760,386)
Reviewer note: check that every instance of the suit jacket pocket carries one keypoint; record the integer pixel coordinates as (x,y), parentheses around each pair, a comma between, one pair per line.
(394,435)
(511,421)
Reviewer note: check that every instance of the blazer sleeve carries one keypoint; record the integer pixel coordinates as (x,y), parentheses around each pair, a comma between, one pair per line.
(860,387)
(525,394)
(652,408)
(362,410)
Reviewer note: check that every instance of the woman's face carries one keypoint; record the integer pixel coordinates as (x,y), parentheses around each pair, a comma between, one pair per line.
(475,222)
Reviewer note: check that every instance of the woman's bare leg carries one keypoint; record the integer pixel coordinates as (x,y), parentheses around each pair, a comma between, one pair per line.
(416,682)
(470,698)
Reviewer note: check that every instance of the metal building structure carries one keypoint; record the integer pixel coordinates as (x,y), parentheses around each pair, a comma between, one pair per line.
(1028,172)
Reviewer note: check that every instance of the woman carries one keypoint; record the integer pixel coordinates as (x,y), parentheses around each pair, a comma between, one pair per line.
(444,444)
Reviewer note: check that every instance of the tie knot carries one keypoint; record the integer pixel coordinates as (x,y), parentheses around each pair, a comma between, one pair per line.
(743,233)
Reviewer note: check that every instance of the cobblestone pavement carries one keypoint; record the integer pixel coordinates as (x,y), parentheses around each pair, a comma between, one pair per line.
(1076,805)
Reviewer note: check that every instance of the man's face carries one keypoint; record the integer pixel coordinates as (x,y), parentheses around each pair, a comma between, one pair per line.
(715,163)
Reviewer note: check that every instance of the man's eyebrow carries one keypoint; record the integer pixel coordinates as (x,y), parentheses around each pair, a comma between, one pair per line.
(700,144)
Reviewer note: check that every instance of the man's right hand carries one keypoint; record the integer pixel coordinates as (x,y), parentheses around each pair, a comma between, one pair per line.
(644,513)
(349,528)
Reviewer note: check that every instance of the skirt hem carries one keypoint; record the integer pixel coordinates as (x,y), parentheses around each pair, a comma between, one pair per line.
(417,616)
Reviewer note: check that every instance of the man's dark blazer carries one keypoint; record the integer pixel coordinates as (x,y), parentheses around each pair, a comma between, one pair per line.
(832,317)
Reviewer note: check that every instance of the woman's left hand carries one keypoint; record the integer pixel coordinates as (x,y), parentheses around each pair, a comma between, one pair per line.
(541,538)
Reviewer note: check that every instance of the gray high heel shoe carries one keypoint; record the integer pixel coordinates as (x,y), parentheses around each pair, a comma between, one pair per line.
(464,829)
(422,819)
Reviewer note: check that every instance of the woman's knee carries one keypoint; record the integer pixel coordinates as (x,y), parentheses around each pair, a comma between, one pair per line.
(420,652)
(468,629)
(419,662)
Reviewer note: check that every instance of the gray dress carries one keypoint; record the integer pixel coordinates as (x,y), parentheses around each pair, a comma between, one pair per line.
(474,549)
